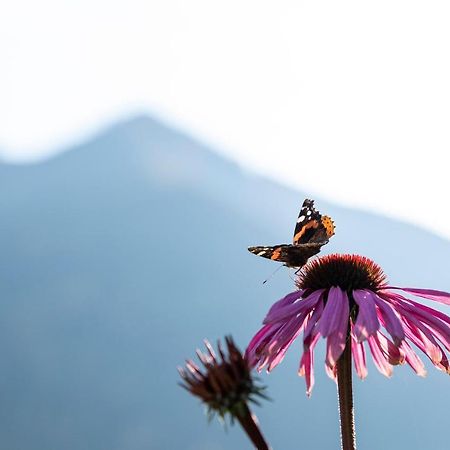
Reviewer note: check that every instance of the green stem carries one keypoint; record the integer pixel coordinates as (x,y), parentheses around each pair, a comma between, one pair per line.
(345,394)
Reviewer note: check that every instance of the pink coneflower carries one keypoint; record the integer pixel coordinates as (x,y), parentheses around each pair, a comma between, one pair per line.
(346,299)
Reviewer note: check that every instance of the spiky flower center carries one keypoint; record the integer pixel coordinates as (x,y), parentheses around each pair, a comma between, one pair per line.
(226,383)
(349,272)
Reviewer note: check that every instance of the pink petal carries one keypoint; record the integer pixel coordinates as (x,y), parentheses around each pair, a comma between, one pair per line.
(285,301)
(333,312)
(306,368)
(336,326)
(440,329)
(299,307)
(359,357)
(378,358)
(261,334)
(431,294)
(335,347)
(427,309)
(440,337)
(274,359)
(390,320)
(392,353)
(367,322)
(331,372)
(257,346)
(414,329)
(413,360)
(283,340)
(421,337)
(444,364)
(311,329)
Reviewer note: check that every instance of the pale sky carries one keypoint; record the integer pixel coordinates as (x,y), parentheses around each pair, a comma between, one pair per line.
(347,100)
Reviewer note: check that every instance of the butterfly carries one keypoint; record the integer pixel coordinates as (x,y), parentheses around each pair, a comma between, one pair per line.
(312,231)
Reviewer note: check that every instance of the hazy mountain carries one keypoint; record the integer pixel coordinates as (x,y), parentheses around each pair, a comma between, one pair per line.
(120,255)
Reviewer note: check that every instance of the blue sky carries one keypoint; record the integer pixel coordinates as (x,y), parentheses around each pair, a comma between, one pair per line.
(345,100)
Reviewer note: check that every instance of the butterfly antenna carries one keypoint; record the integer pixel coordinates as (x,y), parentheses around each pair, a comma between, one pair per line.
(292,277)
(272,274)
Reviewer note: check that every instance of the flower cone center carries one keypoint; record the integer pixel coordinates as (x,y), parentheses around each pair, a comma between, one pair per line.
(349,272)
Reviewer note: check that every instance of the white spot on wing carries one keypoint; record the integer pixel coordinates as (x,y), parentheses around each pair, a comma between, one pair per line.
(261,253)
(300,219)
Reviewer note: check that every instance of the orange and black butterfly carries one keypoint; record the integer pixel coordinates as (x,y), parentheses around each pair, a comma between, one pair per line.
(312,231)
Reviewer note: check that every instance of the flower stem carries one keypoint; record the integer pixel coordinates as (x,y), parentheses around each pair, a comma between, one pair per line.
(249,423)
(345,394)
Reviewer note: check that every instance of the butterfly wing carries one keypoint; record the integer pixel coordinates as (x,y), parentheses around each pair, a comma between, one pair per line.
(311,226)
(290,255)
(307,222)
(328,225)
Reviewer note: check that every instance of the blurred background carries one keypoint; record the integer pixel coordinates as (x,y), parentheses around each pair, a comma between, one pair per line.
(145,145)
